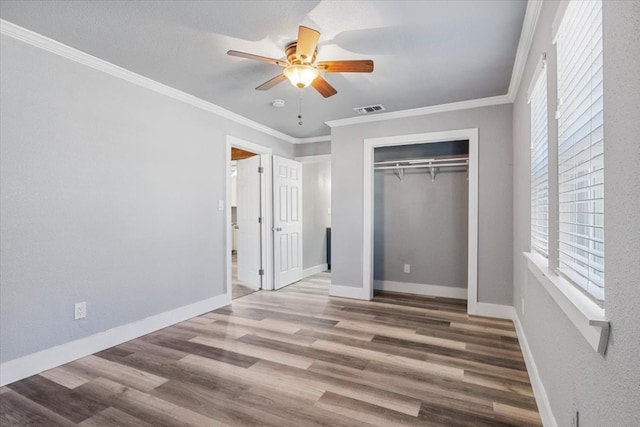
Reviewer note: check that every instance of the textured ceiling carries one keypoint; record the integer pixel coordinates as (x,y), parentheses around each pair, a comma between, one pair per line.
(425,52)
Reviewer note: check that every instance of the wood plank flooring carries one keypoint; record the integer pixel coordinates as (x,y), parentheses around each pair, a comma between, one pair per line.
(238,288)
(296,358)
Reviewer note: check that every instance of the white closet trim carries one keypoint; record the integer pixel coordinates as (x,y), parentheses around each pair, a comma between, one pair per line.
(367,203)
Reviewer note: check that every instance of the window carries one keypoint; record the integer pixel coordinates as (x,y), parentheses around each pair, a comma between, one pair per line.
(580,147)
(539,165)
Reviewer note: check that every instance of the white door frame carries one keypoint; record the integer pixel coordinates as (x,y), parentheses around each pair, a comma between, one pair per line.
(266,196)
(368,209)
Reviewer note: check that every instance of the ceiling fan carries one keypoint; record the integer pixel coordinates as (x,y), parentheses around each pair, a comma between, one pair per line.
(301,67)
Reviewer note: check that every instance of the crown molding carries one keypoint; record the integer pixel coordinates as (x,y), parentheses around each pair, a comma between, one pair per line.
(45,43)
(313,139)
(530,21)
(526,38)
(524,45)
(433,109)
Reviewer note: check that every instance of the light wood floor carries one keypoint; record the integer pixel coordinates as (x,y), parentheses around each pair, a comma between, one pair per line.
(296,358)
(238,288)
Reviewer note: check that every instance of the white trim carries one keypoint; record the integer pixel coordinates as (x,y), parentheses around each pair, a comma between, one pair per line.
(529,24)
(531,16)
(367,203)
(585,314)
(348,292)
(367,218)
(472,242)
(313,159)
(539,392)
(495,310)
(32,364)
(541,66)
(228,238)
(57,48)
(421,289)
(312,139)
(454,106)
(266,195)
(314,270)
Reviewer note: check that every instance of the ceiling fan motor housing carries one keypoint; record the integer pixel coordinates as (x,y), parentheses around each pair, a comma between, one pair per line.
(290,51)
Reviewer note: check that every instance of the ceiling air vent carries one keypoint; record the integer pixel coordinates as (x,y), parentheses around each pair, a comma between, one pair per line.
(369,109)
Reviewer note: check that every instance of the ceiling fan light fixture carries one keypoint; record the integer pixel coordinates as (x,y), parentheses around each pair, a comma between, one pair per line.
(301,75)
(301,68)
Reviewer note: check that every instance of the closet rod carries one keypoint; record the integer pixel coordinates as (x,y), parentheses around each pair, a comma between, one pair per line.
(428,166)
(421,161)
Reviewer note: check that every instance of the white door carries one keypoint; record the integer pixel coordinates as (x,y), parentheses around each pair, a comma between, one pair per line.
(287,221)
(248,226)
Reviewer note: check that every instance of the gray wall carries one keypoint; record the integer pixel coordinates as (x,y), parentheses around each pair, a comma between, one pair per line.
(108,195)
(495,193)
(316,217)
(605,389)
(313,148)
(422,223)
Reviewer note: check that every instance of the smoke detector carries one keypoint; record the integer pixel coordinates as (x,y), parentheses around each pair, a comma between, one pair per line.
(277,103)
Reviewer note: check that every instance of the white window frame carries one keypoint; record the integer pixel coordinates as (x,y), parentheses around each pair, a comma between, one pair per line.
(580,147)
(537,98)
(587,316)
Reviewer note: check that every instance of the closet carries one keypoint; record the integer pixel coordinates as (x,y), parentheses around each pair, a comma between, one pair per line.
(421,195)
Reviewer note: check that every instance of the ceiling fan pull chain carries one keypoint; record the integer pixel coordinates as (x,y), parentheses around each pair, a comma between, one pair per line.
(300,113)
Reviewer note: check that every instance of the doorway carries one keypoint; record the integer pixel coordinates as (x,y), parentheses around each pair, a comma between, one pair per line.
(248,218)
(246,210)
(470,135)
(421,218)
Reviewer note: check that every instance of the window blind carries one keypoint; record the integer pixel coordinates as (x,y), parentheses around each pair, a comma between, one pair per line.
(581,147)
(539,167)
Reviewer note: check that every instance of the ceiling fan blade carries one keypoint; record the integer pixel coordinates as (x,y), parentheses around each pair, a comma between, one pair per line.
(355,66)
(323,86)
(271,83)
(307,43)
(257,58)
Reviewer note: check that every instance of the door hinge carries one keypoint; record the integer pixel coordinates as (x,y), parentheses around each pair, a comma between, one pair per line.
(261,272)
(259,220)
(260,169)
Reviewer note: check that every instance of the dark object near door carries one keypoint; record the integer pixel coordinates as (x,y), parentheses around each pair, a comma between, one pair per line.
(329,248)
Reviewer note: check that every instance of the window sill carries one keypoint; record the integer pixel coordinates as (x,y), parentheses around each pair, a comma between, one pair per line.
(586,315)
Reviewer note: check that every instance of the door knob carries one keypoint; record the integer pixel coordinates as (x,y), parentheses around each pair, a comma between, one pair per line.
(278,229)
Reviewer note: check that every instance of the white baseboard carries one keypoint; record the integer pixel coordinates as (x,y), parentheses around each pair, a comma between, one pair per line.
(348,292)
(421,289)
(542,400)
(314,270)
(495,310)
(40,361)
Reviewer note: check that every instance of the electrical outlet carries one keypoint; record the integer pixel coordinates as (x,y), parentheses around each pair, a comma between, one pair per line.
(407,268)
(80,310)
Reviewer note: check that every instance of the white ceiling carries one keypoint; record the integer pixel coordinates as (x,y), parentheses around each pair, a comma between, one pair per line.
(425,52)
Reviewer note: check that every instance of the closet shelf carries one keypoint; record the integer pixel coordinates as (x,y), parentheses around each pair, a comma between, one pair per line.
(433,164)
